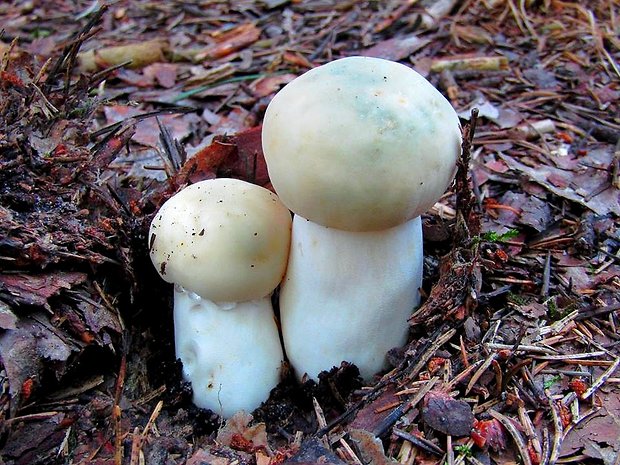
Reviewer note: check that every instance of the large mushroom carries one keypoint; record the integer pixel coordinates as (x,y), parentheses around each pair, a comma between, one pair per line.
(224,244)
(358,149)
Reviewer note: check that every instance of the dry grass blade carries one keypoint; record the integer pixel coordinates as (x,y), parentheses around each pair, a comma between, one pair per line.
(426,356)
(136,447)
(558,434)
(522,348)
(559,325)
(470,63)
(474,461)
(523,63)
(175,154)
(601,379)
(420,442)
(462,375)
(31,417)
(546,449)
(420,393)
(67,58)
(118,435)
(321,422)
(530,431)
(515,434)
(568,357)
(449,450)
(479,372)
(350,452)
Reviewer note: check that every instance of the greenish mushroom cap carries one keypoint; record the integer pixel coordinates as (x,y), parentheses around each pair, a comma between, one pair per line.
(360,144)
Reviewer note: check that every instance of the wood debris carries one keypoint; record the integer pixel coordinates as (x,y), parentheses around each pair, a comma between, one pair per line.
(519,326)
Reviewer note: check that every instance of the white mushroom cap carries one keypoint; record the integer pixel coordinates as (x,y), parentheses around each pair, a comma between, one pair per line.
(360,144)
(224,239)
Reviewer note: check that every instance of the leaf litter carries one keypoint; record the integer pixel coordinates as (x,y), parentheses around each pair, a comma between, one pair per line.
(514,354)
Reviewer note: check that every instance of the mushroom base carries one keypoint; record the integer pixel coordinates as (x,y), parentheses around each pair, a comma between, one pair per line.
(231,352)
(347,295)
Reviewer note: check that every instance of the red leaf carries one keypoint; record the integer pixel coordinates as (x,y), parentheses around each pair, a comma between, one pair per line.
(231,41)
(239,156)
(489,433)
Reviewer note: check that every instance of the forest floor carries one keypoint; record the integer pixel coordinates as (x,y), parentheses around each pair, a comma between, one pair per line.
(107,110)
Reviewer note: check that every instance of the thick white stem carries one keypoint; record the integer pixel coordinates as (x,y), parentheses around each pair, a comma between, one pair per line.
(231,352)
(347,295)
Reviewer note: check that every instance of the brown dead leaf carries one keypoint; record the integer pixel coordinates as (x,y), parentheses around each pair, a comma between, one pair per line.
(231,40)
(139,54)
(588,184)
(533,311)
(297,59)
(201,456)
(396,48)
(164,73)
(370,448)
(312,451)
(598,432)
(270,84)
(98,317)
(370,416)
(29,349)
(541,78)
(147,130)
(502,116)
(135,78)
(238,120)
(205,163)
(249,162)
(239,156)
(447,415)
(238,434)
(584,279)
(35,290)
(532,211)
(8,319)
(31,440)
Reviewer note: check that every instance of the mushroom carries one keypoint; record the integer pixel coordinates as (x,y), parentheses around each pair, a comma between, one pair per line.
(224,244)
(358,149)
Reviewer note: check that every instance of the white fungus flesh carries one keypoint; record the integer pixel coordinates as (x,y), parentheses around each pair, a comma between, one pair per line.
(347,295)
(358,149)
(231,353)
(224,243)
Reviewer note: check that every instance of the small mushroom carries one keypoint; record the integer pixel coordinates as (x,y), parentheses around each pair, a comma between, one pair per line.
(224,244)
(358,149)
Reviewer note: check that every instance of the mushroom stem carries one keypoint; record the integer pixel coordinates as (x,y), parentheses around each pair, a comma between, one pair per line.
(231,352)
(346,296)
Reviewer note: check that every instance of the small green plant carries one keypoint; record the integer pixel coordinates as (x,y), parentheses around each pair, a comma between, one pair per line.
(463,449)
(551,381)
(552,309)
(40,33)
(492,236)
(555,312)
(517,299)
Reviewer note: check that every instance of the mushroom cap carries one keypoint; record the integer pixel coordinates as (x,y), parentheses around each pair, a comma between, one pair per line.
(360,144)
(224,239)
